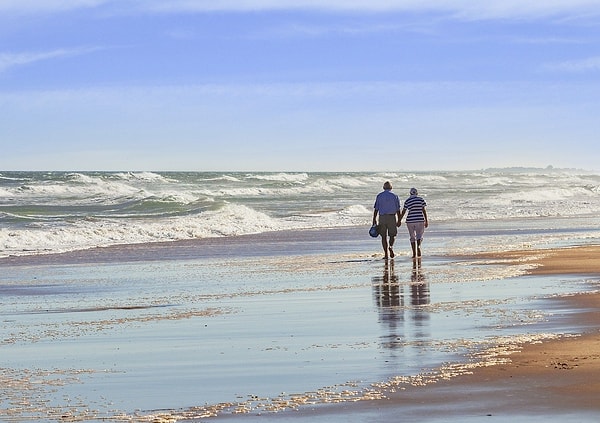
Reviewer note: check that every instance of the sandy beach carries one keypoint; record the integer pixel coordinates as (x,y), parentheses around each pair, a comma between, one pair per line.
(326,329)
(564,373)
(553,380)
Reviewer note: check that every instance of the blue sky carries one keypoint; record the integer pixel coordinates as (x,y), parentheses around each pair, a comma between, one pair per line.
(336,85)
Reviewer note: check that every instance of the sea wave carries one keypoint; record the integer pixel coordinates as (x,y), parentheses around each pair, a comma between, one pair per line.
(280,177)
(57,211)
(229,220)
(141,176)
(99,232)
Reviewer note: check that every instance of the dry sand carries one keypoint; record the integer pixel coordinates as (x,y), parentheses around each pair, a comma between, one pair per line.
(583,260)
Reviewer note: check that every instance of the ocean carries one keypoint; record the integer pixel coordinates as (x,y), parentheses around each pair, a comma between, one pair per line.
(163,296)
(49,212)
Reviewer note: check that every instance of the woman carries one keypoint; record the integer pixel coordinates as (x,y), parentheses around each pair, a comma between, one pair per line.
(416,220)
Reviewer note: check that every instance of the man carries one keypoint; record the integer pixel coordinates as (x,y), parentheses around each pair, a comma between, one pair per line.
(416,221)
(387,206)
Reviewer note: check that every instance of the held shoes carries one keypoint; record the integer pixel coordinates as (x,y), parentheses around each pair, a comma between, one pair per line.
(374,232)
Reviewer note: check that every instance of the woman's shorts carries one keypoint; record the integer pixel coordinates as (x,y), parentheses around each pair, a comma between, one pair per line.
(416,230)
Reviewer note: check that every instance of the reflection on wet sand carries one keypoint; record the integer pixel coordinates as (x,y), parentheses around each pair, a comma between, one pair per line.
(419,296)
(394,314)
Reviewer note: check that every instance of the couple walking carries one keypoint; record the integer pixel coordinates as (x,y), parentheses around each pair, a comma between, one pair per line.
(387,206)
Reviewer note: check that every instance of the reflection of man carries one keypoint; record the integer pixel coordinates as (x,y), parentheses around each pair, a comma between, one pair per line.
(387,206)
(390,299)
(387,290)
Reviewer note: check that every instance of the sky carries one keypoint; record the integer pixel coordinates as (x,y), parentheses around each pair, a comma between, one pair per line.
(299,85)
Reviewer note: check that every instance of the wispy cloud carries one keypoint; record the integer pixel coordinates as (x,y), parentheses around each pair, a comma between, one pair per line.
(10,60)
(45,6)
(466,8)
(460,9)
(547,40)
(340,29)
(591,64)
(522,9)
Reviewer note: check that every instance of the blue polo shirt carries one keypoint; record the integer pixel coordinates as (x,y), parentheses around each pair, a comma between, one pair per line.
(387,202)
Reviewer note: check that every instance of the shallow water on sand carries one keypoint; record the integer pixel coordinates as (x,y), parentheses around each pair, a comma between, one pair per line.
(193,330)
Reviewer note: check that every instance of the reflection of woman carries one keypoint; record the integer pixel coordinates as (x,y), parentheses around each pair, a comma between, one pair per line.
(419,294)
(416,220)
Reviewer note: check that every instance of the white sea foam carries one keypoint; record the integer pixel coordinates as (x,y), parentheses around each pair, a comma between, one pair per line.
(281,177)
(79,187)
(226,178)
(356,210)
(231,220)
(145,176)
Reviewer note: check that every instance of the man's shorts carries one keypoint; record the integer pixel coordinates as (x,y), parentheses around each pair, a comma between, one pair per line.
(387,225)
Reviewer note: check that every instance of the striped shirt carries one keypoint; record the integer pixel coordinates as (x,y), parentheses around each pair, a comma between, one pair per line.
(415,205)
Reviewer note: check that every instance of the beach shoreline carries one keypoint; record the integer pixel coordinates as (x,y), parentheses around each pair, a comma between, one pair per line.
(548,378)
(284,242)
(577,260)
(553,377)
(557,379)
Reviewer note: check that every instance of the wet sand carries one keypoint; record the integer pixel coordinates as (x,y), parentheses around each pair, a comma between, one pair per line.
(554,380)
(562,374)
(542,381)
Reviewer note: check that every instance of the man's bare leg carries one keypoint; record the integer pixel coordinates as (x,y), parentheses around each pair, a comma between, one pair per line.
(384,244)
